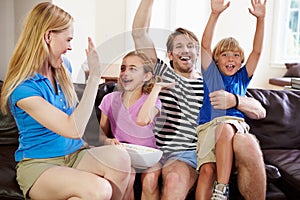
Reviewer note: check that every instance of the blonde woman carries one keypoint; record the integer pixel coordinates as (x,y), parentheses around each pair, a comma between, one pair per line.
(52,160)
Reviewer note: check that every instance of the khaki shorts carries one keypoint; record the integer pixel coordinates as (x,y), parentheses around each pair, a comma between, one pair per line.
(206,151)
(29,170)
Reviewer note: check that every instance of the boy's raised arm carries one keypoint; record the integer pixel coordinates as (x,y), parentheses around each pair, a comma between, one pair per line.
(217,7)
(259,11)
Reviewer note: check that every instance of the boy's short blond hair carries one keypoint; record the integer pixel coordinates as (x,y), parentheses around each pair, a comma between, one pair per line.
(227,44)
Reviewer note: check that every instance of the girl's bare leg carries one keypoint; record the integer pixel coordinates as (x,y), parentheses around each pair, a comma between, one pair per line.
(129,193)
(150,184)
(111,162)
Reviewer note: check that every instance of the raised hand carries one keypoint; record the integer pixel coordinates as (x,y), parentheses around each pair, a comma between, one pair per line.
(95,68)
(217,6)
(259,8)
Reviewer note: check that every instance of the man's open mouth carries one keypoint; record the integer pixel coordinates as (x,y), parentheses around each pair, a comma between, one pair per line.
(185,58)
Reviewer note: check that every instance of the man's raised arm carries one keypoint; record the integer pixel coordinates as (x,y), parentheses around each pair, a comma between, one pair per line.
(140,29)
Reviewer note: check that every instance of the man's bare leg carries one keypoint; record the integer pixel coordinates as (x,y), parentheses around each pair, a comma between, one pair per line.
(250,166)
(178,179)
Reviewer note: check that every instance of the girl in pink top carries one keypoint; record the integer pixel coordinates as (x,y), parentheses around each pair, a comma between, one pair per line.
(129,114)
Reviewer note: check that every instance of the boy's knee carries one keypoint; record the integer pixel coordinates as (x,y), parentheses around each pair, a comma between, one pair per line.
(207,170)
(225,131)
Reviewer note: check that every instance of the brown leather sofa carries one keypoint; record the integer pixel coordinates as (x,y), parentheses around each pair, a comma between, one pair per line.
(278,133)
(279,136)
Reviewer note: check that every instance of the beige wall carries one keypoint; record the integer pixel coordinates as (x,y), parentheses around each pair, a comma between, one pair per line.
(7,34)
(110,24)
(12,13)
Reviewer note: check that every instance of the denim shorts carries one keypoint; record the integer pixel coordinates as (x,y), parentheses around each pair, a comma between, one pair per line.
(189,157)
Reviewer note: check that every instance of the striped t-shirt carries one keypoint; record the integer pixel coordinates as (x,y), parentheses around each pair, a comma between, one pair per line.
(175,129)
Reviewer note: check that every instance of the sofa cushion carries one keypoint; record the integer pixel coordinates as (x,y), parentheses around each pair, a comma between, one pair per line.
(288,163)
(91,135)
(274,193)
(293,70)
(9,188)
(280,128)
(103,90)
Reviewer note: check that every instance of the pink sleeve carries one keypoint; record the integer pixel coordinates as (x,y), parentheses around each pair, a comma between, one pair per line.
(105,104)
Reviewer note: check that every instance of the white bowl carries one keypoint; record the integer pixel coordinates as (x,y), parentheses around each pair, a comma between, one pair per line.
(143,157)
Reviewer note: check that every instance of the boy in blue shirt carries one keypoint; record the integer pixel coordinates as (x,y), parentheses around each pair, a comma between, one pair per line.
(222,70)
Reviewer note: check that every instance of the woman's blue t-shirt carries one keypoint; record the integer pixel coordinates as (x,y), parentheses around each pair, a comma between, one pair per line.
(36,141)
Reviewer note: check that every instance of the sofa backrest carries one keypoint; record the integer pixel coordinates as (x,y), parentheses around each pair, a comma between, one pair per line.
(281,127)
(8,128)
(103,90)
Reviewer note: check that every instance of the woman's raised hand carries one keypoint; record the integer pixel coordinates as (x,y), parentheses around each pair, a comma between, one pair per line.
(95,68)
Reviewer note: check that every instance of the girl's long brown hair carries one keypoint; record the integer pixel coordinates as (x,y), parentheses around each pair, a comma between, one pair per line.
(148,66)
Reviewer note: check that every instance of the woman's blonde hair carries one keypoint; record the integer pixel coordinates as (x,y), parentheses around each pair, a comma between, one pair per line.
(31,52)
(148,66)
(227,44)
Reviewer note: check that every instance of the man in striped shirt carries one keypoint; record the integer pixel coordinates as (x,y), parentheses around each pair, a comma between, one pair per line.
(176,127)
